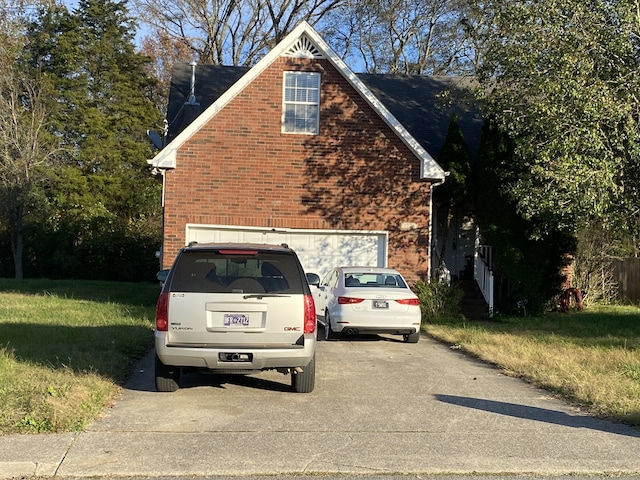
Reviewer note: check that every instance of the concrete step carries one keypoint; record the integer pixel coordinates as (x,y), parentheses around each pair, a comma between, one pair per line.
(473,305)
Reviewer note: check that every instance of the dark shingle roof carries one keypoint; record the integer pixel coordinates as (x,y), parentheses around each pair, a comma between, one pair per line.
(423,105)
(211,81)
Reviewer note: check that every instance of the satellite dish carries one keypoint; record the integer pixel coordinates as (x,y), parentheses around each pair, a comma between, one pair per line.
(155,139)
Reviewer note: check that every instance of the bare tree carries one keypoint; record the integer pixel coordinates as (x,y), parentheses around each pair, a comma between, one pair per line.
(24,145)
(164,50)
(230,32)
(425,37)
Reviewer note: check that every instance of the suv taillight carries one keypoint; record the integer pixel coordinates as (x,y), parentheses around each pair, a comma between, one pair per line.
(309,314)
(162,312)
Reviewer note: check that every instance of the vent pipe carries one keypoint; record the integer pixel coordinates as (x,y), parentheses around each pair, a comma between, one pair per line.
(192,91)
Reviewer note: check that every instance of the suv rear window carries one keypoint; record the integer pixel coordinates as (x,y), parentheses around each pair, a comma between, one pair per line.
(210,271)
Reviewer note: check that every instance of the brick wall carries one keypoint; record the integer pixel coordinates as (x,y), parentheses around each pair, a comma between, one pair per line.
(239,169)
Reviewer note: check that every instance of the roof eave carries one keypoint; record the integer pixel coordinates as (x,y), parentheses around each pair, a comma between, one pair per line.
(165,159)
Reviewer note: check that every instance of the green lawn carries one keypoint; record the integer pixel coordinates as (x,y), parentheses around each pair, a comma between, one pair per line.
(66,347)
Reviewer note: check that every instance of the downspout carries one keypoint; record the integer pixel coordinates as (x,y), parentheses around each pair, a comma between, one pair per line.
(432,239)
(163,174)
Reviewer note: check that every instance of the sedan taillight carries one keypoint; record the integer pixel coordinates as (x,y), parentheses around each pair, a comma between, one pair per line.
(309,314)
(409,301)
(349,300)
(162,312)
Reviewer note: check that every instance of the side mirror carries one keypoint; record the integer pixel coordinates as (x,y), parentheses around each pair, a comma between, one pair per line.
(313,279)
(162,275)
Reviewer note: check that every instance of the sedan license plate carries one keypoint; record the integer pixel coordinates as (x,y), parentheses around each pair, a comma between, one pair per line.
(236,320)
(380,304)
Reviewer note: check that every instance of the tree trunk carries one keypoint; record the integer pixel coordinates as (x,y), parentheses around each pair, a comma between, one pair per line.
(17,244)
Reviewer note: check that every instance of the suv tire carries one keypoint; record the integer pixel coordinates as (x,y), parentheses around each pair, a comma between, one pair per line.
(305,381)
(167,377)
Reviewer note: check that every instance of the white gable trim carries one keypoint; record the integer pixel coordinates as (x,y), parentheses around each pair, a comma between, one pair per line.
(303,48)
(429,168)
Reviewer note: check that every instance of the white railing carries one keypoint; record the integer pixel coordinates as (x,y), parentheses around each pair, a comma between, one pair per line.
(483,275)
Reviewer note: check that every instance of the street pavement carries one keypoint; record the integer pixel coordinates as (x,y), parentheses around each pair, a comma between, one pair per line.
(380,407)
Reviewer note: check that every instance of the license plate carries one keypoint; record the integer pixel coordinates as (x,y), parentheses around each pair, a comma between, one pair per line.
(236,320)
(380,304)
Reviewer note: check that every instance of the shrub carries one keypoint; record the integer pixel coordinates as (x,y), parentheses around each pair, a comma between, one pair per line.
(438,299)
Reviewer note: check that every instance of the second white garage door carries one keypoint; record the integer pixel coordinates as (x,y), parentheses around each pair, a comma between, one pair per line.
(318,250)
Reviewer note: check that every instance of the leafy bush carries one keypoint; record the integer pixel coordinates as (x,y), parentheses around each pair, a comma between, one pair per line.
(438,299)
(593,270)
(71,252)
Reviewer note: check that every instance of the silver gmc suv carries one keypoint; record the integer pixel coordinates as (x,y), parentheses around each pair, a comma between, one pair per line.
(235,308)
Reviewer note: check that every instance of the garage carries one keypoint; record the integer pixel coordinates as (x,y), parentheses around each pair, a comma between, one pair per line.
(318,250)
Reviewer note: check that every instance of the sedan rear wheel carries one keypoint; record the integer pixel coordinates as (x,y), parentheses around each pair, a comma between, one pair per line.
(411,337)
(329,334)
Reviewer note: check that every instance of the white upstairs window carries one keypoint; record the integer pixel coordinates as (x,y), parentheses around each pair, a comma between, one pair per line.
(301,109)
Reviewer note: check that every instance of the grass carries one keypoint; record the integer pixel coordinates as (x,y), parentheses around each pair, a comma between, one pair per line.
(66,347)
(590,357)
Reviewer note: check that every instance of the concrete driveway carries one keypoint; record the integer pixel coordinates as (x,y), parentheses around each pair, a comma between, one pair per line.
(380,407)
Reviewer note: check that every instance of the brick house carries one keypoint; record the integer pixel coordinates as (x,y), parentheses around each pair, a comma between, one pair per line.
(299,149)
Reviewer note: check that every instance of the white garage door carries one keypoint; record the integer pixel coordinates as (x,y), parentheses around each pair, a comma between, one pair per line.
(318,250)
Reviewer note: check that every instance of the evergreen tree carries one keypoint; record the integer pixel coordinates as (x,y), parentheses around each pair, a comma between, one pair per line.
(101,109)
(455,158)
(104,102)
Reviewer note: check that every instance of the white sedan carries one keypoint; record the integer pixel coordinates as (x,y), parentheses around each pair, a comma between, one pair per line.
(356,300)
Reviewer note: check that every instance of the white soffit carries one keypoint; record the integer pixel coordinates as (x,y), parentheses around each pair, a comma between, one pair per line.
(303,41)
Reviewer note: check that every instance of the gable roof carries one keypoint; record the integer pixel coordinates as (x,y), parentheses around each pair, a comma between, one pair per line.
(216,86)
(424,105)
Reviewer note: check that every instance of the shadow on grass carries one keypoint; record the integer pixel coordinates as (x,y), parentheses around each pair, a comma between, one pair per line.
(126,293)
(539,414)
(109,350)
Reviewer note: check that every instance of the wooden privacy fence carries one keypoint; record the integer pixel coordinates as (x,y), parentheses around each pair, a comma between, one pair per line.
(626,273)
